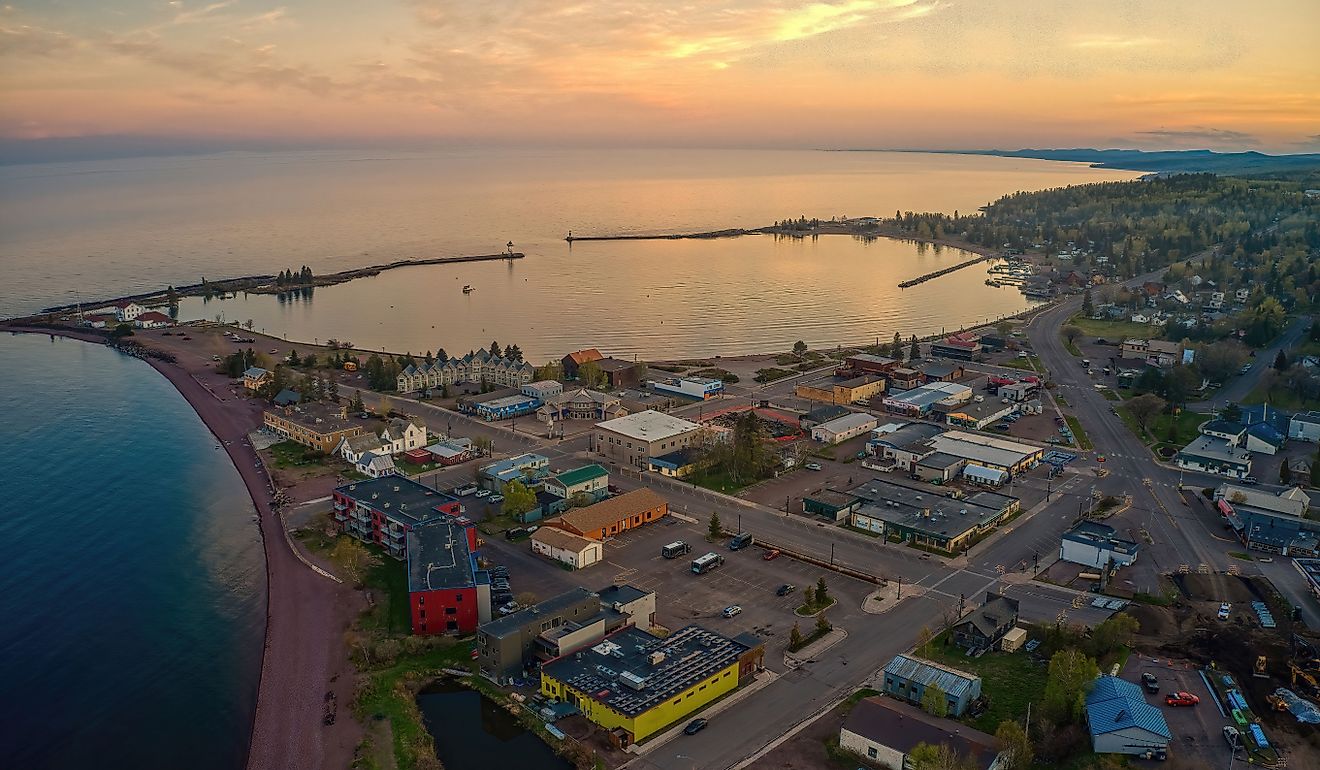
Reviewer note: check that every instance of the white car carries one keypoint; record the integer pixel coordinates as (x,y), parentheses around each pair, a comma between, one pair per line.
(496,499)
(732,610)
(1224,610)
(483,493)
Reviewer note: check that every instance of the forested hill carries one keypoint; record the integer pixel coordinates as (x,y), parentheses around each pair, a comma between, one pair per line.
(1181,161)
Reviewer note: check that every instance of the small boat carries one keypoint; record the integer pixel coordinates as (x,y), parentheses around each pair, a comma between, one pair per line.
(467,289)
(991,282)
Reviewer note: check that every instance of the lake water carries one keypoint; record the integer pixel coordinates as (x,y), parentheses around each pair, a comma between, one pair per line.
(104,228)
(472,732)
(133,588)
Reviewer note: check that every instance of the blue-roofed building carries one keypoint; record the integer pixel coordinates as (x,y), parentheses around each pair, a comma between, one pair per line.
(907,677)
(1254,414)
(527,468)
(1121,721)
(1264,438)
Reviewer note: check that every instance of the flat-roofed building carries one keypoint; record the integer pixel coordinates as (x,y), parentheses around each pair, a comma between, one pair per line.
(1275,523)
(866,363)
(1097,545)
(632,439)
(1211,454)
(632,601)
(383,510)
(976,414)
(843,428)
(925,517)
(1012,457)
(447,593)
(921,400)
(505,646)
(839,390)
(700,388)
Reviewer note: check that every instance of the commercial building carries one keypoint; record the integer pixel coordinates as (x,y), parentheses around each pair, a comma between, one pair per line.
(1270,522)
(885,731)
(904,378)
(865,363)
(964,346)
(905,444)
(637,604)
(836,390)
(383,510)
(822,414)
(128,311)
(255,378)
(907,677)
(581,404)
(447,593)
(977,414)
(914,515)
(632,439)
(921,400)
(677,464)
(843,428)
(700,388)
(574,361)
(1121,721)
(317,426)
(527,468)
(620,373)
(938,468)
(452,451)
(1012,457)
(504,408)
(941,371)
(1305,426)
(543,389)
(505,646)
(986,625)
(614,516)
(1211,454)
(1154,352)
(153,320)
(592,481)
(635,684)
(1096,545)
(563,546)
(476,367)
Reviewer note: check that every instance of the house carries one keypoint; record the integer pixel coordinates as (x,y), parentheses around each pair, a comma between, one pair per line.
(384,510)
(567,548)
(1264,438)
(907,677)
(375,465)
(591,481)
(526,468)
(631,439)
(452,451)
(353,448)
(1212,454)
(1305,426)
(1121,721)
(573,361)
(447,593)
(843,428)
(287,397)
(404,435)
(634,684)
(700,388)
(1159,353)
(1242,294)
(255,378)
(127,311)
(986,625)
(614,515)
(152,320)
(885,731)
(318,426)
(581,404)
(1096,545)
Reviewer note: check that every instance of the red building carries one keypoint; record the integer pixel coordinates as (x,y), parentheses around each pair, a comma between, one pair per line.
(447,594)
(384,510)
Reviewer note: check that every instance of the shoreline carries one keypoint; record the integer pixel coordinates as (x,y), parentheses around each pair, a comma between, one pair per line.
(303,651)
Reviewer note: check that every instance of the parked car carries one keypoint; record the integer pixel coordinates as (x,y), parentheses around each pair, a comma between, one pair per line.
(771,554)
(812,466)
(1149,681)
(1181,699)
(1251,481)
(1224,609)
(785,589)
(483,493)
(508,609)
(515,533)
(695,726)
(732,610)
(496,499)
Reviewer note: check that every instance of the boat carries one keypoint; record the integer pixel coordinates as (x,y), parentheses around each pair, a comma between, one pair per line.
(991,282)
(467,289)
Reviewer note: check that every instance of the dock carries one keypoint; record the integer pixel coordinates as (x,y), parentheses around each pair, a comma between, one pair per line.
(945,271)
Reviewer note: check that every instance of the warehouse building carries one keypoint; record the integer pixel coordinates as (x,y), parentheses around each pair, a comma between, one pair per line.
(921,400)
(1121,721)
(915,515)
(841,429)
(574,551)
(1097,545)
(1012,457)
(700,388)
(635,684)
(837,390)
(907,677)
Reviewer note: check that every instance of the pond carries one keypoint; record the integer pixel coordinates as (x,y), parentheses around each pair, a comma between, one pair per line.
(472,732)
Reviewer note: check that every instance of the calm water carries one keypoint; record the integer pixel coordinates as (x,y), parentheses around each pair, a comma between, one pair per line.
(110,227)
(472,732)
(133,587)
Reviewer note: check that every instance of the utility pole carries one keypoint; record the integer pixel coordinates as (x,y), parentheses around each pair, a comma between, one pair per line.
(831,554)
(900,588)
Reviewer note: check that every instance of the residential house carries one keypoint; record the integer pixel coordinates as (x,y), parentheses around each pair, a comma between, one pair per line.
(590,481)
(384,510)
(1121,721)
(476,367)
(1159,353)
(567,548)
(375,465)
(574,361)
(447,592)
(987,624)
(404,435)
(907,677)
(615,515)
(1305,426)
(287,397)
(528,469)
(353,448)
(152,320)
(886,731)
(255,378)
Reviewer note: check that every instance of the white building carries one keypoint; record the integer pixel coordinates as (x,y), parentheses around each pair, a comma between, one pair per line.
(352,449)
(1305,426)
(404,435)
(152,320)
(375,465)
(693,387)
(885,731)
(1093,544)
(128,311)
(843,428)
(543,389)
(575,551)
(1121,721)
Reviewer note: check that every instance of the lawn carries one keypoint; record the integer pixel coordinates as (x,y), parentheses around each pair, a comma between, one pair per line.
(719,481)
(772,373)
(288,454)
(386,693)
(1083,440)
(1030,363)
(412,469)
(1010,680)
(1112,331)
(1184,427)
(1280,397)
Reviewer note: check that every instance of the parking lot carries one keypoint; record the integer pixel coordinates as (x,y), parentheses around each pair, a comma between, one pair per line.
(1196,729)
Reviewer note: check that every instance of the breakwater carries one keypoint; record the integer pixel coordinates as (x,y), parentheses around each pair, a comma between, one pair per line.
(945,271)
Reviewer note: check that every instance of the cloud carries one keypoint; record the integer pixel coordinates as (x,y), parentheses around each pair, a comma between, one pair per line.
(24,40)
(1215,136)
(1113,42)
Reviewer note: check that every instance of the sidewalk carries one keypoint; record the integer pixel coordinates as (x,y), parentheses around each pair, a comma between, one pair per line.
(764,679)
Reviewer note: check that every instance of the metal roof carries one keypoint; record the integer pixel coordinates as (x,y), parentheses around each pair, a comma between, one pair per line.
(953,682)
(579,475)
(1115,704)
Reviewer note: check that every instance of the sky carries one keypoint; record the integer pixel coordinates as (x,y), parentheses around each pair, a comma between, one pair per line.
(937,74)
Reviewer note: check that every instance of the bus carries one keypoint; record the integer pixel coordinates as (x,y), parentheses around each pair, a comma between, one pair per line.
(703,564)
(675,549)
(740,542)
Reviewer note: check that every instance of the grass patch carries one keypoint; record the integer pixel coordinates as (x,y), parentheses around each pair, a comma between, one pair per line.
(1062,401)
(1110,395)
(718,481)
(1241,555)
(810,608)
(412,469)
(389,692)
(1268,391)
(1177,429)
(1011,680)
(772,374)
(1071,347)
(1030,364)
(1079,433)
(1111,331)
(716,373)
(289,454)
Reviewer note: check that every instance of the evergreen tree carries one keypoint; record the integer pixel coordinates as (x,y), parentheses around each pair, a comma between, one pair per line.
(1281,361)
(896,347)
(1088,307)
(441,355)
(822,593)
(716,530)
(332,388)
(495,349)
(513,352)
(914,351)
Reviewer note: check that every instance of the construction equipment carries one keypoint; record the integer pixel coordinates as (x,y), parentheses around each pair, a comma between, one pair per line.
(1277,703)
(1308,679)
(1259,673)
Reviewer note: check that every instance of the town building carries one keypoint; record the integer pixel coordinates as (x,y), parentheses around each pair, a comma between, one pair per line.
(630,600)
(677,464)
(581,404)
(1159,353)
(834,390)
(574,361)
(822,414)
(866,363)
(903,444)
(939,468)
(903,378)
(402,435)
(384,510)
(153,320)
(620,373)
(318,426)
(565,547)
(907,677)
(476,367)
(506,646)
(841,429)
(447,593)
(885,731)
(1096,545)
(505,407)
(976,414)
(352,449)
(1121,721)
(964,346)
(986,625)
(452,451)
(614,515)
(919,516)
(700,388)
(1011,457)
(287,397)
(591,481)
(1305,426)
(635,684)
(527,468)
(255,378)
(1270,522)
(941,371)
(1212,454)
(631,439)
(921,400)
(128,311)
(375,465)
(543,389)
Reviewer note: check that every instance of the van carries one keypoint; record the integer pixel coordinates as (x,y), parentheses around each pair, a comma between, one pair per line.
(675,549)
(1086,363)
(740,542)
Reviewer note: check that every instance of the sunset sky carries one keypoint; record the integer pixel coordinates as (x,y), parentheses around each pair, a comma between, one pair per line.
(1166,74)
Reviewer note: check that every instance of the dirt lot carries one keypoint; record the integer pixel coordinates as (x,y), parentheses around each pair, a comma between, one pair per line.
(806,750)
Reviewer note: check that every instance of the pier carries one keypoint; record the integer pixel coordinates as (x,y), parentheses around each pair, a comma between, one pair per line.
(945,271)
(732,232)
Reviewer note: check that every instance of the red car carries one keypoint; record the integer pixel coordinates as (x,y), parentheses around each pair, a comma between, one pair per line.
(1181,699)
(771,554)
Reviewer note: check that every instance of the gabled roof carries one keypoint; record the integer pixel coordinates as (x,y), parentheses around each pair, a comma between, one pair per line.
(364,442)
(1115,704)
(953,682)
(583,356)
(1267,433)
(287,397)
(902,727)
(995,612)
(579,475)
(561,538)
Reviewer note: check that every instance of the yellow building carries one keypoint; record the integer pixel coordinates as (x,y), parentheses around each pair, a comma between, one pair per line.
(317,426)
(833,390)
(635,684)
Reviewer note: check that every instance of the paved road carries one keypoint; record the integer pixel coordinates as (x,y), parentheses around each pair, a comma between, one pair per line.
(1240,387)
